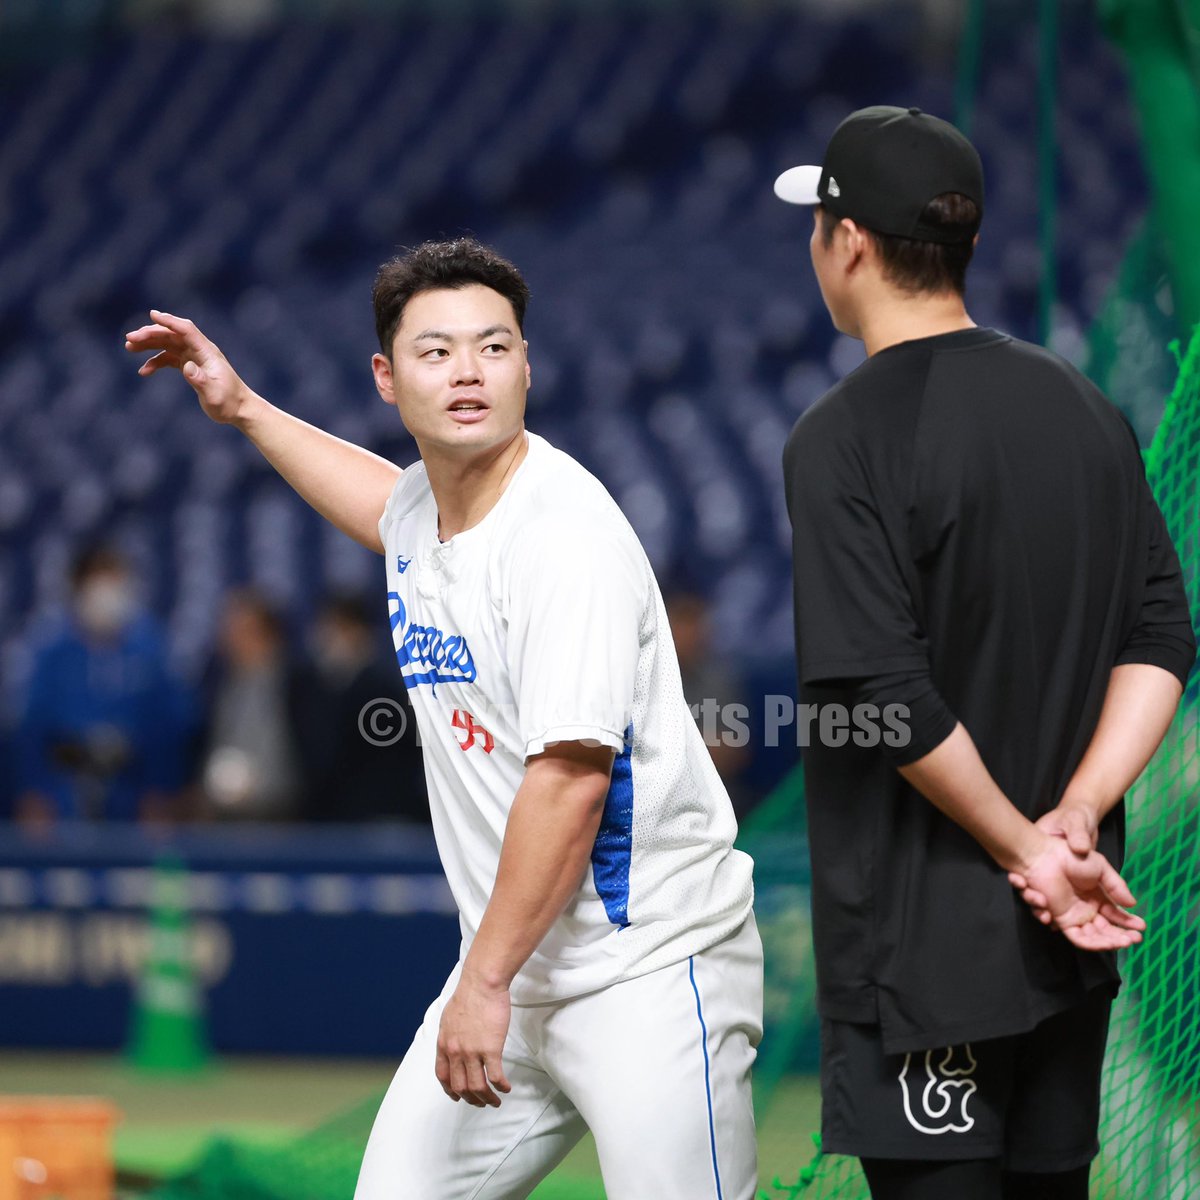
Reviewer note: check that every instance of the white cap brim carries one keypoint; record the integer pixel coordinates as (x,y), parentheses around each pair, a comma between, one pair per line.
(799,185)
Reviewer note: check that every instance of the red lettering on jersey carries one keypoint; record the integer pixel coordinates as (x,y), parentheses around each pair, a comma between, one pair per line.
(463,720)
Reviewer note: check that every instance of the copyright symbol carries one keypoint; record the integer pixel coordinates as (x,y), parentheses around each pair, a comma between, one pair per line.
(382,721)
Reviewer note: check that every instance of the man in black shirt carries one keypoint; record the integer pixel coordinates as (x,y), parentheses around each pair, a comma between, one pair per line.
(974,540)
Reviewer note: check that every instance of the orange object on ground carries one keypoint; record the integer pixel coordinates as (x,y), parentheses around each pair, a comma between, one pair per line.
(58,1147)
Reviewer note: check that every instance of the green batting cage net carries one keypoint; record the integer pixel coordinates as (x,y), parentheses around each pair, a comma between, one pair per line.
(1151,1115)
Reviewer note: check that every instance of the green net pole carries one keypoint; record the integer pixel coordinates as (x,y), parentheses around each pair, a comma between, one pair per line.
(970,55)
(1047,163)
(1155,36)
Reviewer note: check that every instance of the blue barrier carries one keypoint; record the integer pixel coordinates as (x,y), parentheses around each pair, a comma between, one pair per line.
(305,940)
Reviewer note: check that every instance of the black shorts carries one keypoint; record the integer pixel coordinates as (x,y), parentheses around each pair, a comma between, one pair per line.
(1031,1100)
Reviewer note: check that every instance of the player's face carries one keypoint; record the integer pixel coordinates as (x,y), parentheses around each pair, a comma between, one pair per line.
(458,373)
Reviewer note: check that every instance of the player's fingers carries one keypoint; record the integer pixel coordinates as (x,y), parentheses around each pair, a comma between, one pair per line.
(164,358)
(1079,913)
(1018,880)
(136,338)
(1084,939)
(180,325)
(1034,898)
(1118,916)
(1080,839)
(478,1092)
(1100,934)
(1115,939)
(458,1079)
(495,1074)
(184,333)
(153,337)
(1114,886)
(442,1070)
(1090,937)
(1076,938)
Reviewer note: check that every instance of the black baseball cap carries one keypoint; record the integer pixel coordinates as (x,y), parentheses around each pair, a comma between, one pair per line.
(883,165)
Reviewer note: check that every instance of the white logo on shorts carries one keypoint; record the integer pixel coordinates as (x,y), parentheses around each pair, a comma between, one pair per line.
(942,1101)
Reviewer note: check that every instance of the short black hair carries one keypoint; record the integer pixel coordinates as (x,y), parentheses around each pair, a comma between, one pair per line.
(262,608)
(348,608)
(102,559)
(918,266)
(433,265)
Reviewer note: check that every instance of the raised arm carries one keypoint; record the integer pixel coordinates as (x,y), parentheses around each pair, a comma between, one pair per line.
(347,485)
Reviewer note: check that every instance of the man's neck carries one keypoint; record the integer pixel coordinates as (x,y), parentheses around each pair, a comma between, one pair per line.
(903,320)
(467,489)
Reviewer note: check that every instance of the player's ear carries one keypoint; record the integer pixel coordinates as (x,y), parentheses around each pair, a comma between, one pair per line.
(856,241)
(528,372)
(385,383)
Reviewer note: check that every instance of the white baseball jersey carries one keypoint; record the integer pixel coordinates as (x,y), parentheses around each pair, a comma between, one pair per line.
(541,624)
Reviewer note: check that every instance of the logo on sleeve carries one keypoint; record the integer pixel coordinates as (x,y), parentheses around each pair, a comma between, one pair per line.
(427,654)
(935,1097)
(476,734)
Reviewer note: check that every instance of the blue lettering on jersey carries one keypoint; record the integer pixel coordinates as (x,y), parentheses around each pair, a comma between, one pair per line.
(402,563)
(398,616)
(447,655)
(613,849)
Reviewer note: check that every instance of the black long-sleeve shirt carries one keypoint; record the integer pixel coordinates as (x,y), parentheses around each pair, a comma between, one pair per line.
(973,536)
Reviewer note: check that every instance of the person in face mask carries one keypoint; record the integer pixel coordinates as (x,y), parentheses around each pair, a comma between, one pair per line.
(102,731)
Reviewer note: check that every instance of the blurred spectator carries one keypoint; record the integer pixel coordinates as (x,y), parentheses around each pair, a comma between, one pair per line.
(250,760)
(350,711)
(101,732)
(714,692)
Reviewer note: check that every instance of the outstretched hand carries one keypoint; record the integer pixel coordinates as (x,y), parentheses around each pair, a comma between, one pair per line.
(181,345)
(1081,894)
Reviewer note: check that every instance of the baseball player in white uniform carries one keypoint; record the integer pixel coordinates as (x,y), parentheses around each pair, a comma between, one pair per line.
(611,973)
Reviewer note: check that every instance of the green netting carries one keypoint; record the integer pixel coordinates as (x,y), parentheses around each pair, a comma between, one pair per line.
(1152,1093)
(321,1165)
(1127,355)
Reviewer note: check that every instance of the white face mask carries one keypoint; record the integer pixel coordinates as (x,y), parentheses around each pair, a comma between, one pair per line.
(105,605)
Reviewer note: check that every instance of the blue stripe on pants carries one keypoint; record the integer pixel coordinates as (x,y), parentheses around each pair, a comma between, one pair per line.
(712,1133)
